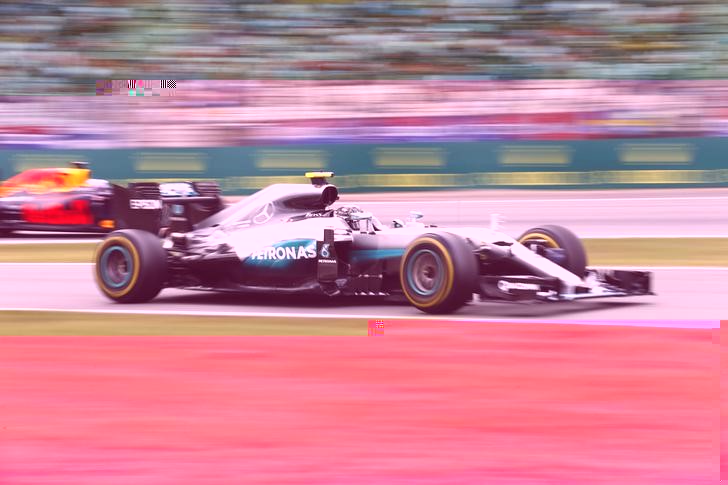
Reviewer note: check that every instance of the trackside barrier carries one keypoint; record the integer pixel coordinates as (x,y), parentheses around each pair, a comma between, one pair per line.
(633,163)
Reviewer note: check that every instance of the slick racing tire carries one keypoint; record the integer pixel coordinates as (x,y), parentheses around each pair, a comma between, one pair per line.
(438,273)
(130,266)
(557,237)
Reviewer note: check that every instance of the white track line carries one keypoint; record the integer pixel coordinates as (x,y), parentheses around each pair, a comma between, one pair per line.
(651,236)
(524,201)
(696,324)
(665,268)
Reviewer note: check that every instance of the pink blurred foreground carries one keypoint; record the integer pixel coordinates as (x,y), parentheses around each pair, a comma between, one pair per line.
(425,403)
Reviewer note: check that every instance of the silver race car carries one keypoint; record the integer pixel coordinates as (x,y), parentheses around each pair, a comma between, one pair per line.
(294,238)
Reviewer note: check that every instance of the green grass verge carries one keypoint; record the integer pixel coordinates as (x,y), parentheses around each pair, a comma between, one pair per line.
(658,252)
(602,252)
(49,323)
(47,253)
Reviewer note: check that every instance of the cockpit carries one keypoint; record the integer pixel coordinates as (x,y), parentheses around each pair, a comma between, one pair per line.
(355,217)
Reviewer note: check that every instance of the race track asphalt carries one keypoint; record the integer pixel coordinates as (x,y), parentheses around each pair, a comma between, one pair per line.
(682,294)
(591,214)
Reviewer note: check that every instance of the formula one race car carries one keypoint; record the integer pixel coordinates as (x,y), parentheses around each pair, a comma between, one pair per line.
(68,200)
(290,238)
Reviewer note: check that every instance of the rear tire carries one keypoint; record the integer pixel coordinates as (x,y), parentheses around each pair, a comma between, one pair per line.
(130,266)
(438,273)
(558,237)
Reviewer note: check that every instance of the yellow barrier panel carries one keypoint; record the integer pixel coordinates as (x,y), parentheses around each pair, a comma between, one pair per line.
(291,159)
(535,155)
(409,157)
(171,162)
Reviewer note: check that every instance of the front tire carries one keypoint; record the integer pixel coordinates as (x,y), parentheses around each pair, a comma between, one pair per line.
(558,237)
(438,273)
(130,266)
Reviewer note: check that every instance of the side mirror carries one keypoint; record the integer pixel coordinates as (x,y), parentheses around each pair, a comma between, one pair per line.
(416,215)
(414,218)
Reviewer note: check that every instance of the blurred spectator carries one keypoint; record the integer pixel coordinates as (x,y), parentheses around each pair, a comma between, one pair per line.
(233,113)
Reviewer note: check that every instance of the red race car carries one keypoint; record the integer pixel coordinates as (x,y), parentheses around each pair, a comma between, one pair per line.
(69,200)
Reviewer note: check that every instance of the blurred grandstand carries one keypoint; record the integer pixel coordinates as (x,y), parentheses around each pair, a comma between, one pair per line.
(314,71)
(51,46)
(234,113)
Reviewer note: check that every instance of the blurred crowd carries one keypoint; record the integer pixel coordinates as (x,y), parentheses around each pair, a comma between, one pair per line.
(234,113)
(52,46)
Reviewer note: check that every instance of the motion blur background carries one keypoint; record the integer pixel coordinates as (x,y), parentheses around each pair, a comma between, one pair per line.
(213,113)
(390,95)
(288,73)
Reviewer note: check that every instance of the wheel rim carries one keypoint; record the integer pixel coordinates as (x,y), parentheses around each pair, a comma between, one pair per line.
(116,266)
(425,272)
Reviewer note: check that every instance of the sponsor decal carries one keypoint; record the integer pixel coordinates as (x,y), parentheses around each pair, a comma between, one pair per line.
(508,286)
(325,250)
(286,253)
(145,204)
(75,212)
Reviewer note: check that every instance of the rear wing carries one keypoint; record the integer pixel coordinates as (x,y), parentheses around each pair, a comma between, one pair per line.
(156,208)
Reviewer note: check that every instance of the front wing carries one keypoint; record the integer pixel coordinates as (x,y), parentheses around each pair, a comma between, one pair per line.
(598,283)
